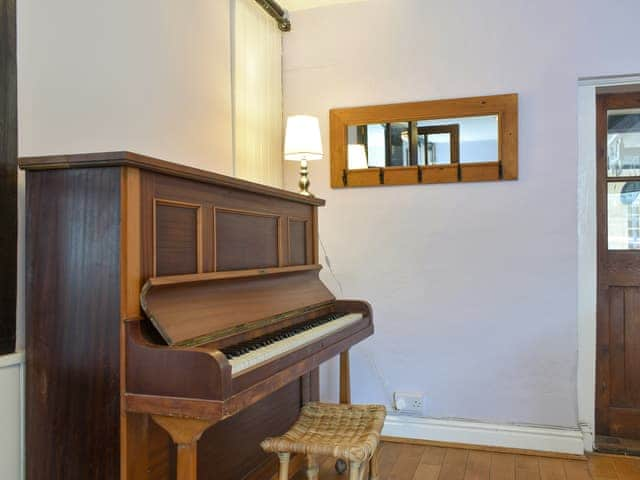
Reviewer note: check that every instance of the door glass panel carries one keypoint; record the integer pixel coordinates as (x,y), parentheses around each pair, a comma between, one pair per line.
(623,142)
(623,215)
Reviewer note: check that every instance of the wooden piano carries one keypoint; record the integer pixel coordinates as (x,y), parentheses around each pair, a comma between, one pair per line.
(175,318)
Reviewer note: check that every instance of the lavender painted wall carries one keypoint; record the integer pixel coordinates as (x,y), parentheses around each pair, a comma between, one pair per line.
(473,285)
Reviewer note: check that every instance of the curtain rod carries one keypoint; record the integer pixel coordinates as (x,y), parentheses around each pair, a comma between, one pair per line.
(277,12)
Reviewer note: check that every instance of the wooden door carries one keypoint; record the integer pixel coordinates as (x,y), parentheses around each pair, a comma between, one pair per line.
(618,338)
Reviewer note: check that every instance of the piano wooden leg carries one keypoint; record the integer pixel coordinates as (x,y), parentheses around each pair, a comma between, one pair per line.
(345,378)
(185,433)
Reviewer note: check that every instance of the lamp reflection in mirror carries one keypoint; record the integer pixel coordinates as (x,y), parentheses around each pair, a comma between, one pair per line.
(302,144)
(357,157)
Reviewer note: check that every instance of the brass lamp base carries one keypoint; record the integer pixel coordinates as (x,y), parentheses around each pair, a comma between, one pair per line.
(304,182)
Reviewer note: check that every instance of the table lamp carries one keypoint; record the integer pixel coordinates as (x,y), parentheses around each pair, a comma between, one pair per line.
(303,143)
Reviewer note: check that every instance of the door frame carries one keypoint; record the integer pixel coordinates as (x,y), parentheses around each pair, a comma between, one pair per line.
(587,245)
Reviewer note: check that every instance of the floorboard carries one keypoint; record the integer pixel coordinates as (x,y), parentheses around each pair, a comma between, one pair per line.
(403,461)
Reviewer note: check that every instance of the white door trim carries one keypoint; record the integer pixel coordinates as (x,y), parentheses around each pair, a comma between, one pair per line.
(587,247)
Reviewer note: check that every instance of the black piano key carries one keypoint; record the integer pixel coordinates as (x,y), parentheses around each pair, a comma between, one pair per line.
(268,339)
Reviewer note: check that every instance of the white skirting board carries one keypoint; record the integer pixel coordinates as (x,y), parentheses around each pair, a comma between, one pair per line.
(547,439)
(12,416)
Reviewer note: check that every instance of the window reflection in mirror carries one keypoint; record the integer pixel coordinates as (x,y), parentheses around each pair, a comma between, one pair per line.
(425,142)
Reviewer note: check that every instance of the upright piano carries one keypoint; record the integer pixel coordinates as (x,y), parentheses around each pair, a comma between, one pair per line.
(175,318)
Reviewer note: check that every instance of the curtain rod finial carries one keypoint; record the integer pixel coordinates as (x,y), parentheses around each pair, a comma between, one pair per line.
(284,25)
(277,12)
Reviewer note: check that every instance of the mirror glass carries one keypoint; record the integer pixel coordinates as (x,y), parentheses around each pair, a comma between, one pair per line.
(425,142)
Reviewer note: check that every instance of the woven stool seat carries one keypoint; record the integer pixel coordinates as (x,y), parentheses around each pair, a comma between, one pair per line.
(348,432)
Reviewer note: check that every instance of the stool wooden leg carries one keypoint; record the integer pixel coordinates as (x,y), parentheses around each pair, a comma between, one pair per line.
(345,378)
(312,467)
(284,465)
(373,466)
(354,470)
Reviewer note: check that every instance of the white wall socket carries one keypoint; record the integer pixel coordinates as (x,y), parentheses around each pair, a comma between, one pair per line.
(412,403)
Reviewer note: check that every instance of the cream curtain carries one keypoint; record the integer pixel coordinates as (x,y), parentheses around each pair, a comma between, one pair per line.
(257,87)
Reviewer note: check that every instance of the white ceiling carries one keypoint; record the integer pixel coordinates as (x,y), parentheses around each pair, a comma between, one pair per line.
(306,4)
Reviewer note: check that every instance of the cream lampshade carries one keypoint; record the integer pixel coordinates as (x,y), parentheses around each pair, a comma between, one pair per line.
(303,143)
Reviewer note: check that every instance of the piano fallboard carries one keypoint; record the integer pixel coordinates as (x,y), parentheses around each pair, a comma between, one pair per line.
(197,309)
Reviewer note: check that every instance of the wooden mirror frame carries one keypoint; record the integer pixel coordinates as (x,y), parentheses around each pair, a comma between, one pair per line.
(504,168)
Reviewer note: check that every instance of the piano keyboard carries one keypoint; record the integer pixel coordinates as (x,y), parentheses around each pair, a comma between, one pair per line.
(246,355)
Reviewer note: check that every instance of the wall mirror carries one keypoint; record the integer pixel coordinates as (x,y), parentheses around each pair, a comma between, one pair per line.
(441,141)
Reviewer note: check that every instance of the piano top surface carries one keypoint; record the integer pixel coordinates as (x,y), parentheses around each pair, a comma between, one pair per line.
(144,162)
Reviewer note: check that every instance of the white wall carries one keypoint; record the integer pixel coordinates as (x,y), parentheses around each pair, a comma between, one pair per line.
(150,76)
(473,285)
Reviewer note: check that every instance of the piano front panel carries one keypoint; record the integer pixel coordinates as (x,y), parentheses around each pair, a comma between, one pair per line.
(234,230)
(245,240)
(298,250)
(177,233)
(231,448)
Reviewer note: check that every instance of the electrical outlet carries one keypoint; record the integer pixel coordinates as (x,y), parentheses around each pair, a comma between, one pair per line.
(410,403)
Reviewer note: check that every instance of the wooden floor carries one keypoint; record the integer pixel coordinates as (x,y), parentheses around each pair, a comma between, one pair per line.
(399,461)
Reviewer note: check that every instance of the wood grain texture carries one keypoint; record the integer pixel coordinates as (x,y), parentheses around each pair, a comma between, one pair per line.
(73,332)
(398,462)
(231,448)
(212,198)
(245,240)
(8,175)
(150,164)
(471,447)
(345,378)
(133,428)
(440,173)
(185,433)
(177,238)
(297,233)
(189,312)
(157,371)
(479,172)
(401,175)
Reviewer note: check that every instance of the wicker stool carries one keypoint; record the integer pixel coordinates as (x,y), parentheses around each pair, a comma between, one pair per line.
(349,432)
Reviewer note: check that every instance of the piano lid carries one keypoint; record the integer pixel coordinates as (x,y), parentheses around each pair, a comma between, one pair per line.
(194,309)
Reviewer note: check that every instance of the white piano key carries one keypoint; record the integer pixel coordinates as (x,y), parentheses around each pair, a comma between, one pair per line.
(264,354)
